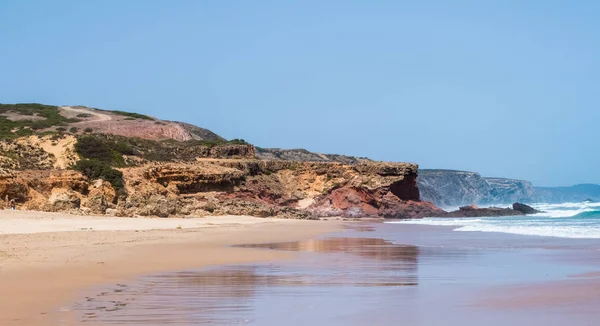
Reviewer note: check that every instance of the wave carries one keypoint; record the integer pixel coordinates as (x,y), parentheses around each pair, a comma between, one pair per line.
(588,214)
(573,232)
(562,229)
(567,220)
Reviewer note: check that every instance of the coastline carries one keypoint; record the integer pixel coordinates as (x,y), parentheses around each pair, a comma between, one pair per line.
(40,271)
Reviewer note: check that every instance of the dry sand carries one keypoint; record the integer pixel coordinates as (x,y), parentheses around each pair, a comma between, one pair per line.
(46,258)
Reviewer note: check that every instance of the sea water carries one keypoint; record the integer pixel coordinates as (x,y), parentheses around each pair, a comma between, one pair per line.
(567,220)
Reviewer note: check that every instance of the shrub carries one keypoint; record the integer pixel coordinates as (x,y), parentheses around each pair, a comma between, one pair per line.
(237,142)
(61,129)
(95,169)
(92,147)
(85,115)
(88,130)
(73,130)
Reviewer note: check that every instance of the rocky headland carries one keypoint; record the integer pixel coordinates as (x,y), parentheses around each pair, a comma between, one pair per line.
(90,161)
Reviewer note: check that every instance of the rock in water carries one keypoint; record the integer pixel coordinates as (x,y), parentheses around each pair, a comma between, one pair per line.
(525,209)
(473,211)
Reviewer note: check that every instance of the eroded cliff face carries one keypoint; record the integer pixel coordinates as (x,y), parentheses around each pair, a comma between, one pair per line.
(274,188)
(209,186)
(117,155)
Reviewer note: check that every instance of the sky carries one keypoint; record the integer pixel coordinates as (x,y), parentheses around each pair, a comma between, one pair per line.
(505,88)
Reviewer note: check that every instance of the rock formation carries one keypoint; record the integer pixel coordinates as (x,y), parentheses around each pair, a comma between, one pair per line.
(525,209)
(474,211)
(198,180)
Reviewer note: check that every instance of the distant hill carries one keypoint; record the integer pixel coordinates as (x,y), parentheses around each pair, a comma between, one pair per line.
(27,119)
(576,193)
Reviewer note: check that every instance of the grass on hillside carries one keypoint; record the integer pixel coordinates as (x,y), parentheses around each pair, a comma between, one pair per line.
(50,113)
(130,115)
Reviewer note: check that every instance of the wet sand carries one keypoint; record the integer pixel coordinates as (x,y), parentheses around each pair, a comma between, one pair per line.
(375,275)
(46,259)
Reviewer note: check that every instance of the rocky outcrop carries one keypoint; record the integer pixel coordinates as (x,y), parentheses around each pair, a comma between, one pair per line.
(474,211)
(525,209)
(163,168)
(275,188)
(231,186)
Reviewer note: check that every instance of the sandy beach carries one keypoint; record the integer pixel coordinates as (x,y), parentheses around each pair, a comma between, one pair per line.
(370,274)
(46,257)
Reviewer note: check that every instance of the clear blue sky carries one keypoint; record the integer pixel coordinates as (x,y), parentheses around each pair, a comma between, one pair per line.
(505,88)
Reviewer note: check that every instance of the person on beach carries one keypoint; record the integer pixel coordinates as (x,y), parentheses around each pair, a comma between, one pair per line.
(12,204)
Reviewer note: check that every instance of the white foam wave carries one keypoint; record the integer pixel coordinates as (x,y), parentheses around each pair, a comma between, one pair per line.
(573,232)
(576,230)
(565,209)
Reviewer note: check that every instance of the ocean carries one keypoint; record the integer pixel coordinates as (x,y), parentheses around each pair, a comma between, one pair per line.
(529,270)
(568,220)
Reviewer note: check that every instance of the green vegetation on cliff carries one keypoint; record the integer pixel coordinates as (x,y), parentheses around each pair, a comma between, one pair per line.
(95,169)
(99,157)
(42,117)
(131,115)
(102,153)
(111,148)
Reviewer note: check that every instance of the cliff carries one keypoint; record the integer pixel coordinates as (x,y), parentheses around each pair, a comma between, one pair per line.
(228,186)
(456,188)
(511,190)
(453,188)
(92,161)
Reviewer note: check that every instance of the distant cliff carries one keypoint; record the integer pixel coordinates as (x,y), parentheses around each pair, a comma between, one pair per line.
(456,188)
(511,190)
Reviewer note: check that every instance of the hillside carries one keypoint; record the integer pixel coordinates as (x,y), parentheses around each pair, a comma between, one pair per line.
(576,193)
(83,160)
(29,119)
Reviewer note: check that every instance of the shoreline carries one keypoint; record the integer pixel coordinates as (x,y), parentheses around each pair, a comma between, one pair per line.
(40,271)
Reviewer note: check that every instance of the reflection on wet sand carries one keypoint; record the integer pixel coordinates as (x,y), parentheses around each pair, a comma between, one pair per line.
(360,280)
(229,295)
(379,249)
